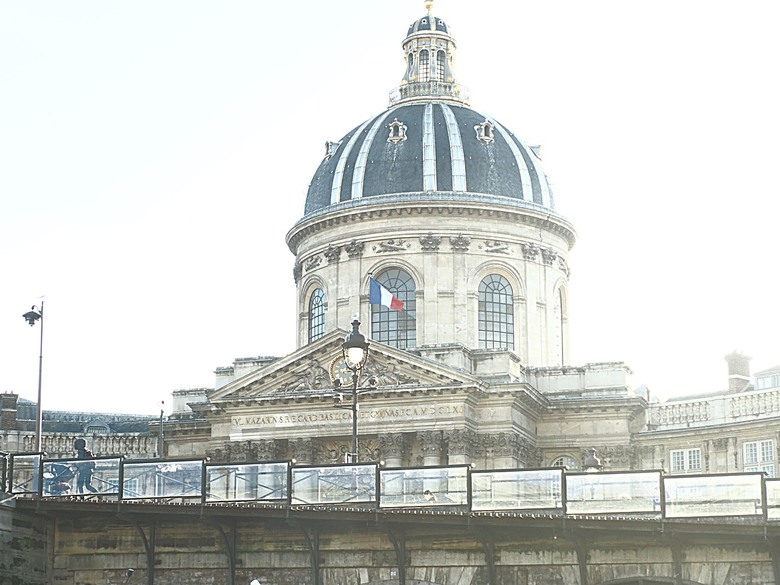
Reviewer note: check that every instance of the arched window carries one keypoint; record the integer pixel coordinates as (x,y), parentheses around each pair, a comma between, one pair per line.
(396,328)
(558,325)
(566,461)
(425,67)
(316,315)
(496,313)
(440,66)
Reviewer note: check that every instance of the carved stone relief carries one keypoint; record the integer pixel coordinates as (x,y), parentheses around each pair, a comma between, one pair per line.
(388,374)
(462,442)
(354,249)
(333,254)
(548,256)
(310,377)
(495,247)
(391,246)
(430,243)
(530,251)
(312,263)
(460,243)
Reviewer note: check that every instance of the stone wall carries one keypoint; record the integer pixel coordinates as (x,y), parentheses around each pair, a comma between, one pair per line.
(23,546)
(185,546)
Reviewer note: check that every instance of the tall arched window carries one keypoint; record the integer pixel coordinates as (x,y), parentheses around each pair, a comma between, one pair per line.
(396,328)
(496,313)
(558,331)
(440,66)
(425,66)
(316,315)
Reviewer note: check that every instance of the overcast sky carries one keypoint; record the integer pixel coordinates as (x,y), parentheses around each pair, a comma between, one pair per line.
(153,155)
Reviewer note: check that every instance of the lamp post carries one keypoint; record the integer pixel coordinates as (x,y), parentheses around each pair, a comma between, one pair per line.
(355,353)
(31,316)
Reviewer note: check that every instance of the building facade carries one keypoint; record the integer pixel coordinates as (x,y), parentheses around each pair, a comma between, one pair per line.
(452,213)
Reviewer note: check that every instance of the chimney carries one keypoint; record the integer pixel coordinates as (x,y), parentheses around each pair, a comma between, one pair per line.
(739,371)
(8,411)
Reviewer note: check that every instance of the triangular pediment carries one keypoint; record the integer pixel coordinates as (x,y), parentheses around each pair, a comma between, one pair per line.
(309,373)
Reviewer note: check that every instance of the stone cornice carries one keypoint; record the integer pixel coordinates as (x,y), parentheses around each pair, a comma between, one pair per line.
(434,204)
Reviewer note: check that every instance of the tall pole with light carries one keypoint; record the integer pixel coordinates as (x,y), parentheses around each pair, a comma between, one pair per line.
(31,316)
(355,353)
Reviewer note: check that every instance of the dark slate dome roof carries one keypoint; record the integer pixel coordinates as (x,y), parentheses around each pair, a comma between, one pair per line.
(429,144)
(427,24)
(429,147)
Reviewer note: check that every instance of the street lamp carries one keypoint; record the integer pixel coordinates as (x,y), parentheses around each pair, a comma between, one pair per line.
(31,316)
(355,353)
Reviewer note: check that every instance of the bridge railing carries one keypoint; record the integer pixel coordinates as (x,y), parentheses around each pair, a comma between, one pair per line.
(424,486)
(161,479)
(248,482)
(733,494)
(334,484)
(368,485)
(614,492)
(518,489)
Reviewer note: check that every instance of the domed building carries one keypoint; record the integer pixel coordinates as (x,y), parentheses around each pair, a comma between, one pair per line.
(452,213)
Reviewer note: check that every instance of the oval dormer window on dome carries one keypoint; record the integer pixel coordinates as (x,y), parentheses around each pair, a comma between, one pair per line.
(397,131)
(485,131)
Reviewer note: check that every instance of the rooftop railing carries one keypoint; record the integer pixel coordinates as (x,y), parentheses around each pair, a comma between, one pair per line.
(553,491)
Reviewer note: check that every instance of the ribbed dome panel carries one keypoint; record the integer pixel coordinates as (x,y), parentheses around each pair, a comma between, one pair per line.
(429,146)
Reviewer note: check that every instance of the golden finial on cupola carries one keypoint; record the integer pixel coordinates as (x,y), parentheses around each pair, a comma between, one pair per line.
(429,6)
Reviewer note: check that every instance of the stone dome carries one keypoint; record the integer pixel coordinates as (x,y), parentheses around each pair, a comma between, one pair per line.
(428,148)
(429,143)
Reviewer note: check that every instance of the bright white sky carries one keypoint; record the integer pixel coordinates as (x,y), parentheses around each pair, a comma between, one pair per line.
(153,156)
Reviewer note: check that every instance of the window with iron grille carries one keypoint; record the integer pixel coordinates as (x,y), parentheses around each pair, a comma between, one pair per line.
(316,315)
(396,328)
(496,313)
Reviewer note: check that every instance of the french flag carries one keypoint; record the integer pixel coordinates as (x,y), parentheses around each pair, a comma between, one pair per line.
(379,295)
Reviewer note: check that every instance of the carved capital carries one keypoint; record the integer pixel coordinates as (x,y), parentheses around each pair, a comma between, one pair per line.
(430,443)
(530,251)
(304,450)
(333,254)
(460,243)
(394,445)
(549,255)
(430,243)
(354,249)
(462,442)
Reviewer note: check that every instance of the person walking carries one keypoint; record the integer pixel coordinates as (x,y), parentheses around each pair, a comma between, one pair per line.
(85,468)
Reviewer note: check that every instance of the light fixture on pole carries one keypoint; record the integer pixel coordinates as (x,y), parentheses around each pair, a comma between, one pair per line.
(31,316)
(355,353)
(592,464)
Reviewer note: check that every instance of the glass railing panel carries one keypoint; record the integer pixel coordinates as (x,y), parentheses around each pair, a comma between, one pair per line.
(517,489)
(162,480)
(67,477)
(424,486)
(334,484)
(250,482)
(606,493)
(713,495)
(772,499)
(25,474)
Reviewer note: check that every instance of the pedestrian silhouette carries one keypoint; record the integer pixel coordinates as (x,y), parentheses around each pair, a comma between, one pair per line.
(85,468)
